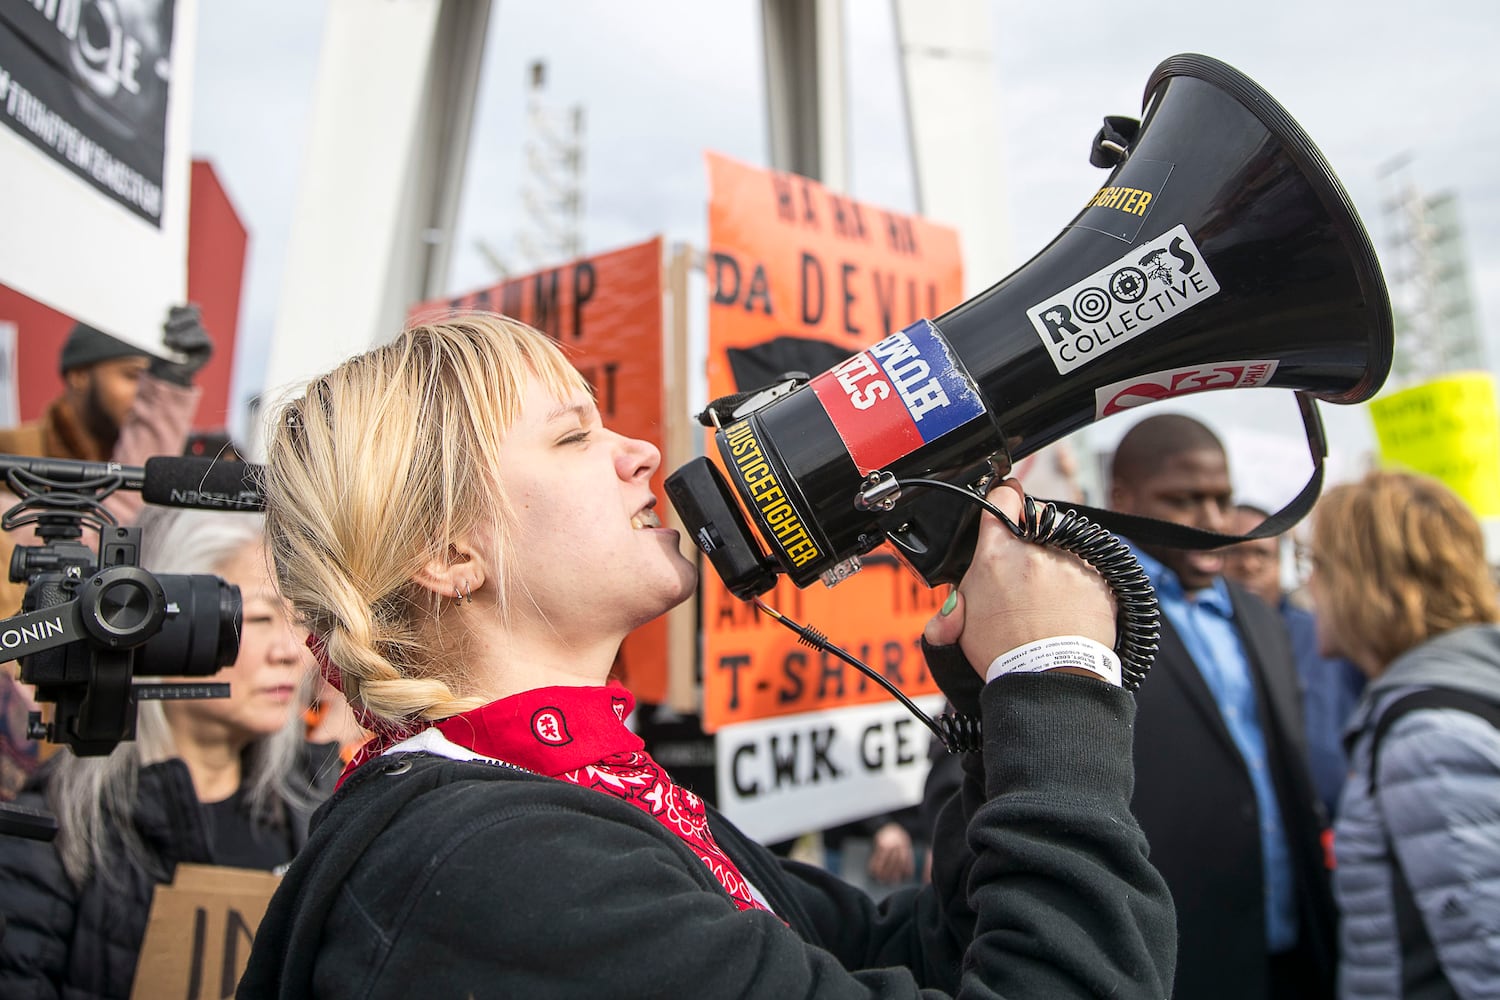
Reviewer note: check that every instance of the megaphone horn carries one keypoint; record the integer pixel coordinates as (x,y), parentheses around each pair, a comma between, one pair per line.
(1222,252)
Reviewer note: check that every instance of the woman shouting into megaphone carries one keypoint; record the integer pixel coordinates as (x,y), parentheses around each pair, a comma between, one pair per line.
(469,546)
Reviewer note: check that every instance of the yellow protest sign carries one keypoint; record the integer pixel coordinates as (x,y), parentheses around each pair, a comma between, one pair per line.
(1449,429)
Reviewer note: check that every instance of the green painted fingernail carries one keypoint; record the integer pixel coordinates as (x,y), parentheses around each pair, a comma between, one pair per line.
(949,604)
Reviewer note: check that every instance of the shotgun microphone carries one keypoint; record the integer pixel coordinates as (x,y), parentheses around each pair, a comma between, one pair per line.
(202,484)
(169,481)
(68,472)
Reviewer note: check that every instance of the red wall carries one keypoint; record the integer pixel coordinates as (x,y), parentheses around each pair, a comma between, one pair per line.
(217,243)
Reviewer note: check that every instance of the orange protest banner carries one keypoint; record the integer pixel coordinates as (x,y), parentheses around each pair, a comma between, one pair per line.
(606,312)
(794,266)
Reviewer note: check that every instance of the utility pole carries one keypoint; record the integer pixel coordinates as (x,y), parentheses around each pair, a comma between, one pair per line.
(1436,328)
(552,192)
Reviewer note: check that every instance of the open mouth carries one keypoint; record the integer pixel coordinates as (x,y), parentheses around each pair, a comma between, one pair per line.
(645,519)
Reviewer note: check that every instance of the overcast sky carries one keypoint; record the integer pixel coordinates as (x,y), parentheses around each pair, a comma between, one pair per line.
(663,80)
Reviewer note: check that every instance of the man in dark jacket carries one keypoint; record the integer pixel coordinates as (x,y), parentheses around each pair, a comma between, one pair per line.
(1222,786)
(119,402)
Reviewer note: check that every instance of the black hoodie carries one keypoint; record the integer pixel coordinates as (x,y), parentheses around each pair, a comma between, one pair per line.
(432,877)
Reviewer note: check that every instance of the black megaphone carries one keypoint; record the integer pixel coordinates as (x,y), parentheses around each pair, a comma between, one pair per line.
(1222,252)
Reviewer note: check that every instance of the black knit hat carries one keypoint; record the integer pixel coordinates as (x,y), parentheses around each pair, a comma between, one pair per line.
(86,346)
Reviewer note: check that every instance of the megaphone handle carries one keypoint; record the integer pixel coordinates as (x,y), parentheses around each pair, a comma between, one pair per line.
(1138,620)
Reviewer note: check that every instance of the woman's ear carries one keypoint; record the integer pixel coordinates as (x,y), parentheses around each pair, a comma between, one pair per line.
(456,575)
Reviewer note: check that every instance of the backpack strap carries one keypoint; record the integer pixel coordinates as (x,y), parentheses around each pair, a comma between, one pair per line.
(1437,697)
(1422,974)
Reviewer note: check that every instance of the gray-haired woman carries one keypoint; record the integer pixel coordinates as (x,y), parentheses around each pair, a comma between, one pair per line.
(227,781)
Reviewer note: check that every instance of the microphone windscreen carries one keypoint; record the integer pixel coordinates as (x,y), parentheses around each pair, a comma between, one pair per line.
(202,483)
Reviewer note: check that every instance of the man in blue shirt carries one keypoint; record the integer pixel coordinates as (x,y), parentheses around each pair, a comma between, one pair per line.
(1330,685)
(1223,791)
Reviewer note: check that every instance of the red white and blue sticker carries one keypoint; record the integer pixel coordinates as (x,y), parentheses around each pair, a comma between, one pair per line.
(897,396)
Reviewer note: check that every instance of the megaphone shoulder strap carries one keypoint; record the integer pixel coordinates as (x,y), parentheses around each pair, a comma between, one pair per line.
(1150,531)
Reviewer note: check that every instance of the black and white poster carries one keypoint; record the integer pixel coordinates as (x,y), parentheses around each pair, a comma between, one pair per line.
(87,82)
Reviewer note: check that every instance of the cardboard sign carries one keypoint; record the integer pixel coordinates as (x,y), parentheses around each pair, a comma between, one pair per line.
(606,313)
(199,932)
(790,259)
(1449,429)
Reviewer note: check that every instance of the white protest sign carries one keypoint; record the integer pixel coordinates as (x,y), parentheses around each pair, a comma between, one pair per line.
(94,118)
(784,776)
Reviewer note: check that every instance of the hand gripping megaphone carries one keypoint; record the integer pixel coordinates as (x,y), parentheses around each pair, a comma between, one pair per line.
(1221,253)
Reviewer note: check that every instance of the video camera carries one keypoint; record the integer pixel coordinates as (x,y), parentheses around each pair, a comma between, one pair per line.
(91,621)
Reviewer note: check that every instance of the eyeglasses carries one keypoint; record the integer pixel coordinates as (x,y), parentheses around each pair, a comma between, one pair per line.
(1303,560)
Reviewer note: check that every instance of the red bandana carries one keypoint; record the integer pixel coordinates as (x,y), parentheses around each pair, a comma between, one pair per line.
(574,734)
(578,734)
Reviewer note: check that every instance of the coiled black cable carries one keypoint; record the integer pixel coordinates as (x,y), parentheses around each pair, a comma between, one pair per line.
(1138,618)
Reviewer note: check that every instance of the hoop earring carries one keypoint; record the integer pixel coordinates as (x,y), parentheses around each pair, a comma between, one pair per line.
(467,596)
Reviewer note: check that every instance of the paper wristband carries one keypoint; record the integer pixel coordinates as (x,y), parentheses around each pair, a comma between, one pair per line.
(1058,651)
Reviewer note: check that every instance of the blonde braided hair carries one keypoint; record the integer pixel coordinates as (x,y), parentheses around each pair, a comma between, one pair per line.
(373,473)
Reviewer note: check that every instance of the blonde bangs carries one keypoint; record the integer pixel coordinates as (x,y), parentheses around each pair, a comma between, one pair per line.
(382,464)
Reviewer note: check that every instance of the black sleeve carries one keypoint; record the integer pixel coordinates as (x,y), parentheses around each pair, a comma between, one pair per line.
(560,899)
(39,904)
(953,811)
(1041,883)
(1093,917)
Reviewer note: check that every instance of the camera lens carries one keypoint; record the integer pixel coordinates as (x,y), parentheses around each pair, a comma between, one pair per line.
(201,634)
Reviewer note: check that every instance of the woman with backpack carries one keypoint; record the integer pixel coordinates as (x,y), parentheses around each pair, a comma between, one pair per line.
(1402,589)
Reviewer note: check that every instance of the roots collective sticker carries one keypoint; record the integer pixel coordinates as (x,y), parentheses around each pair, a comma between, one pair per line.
(1148,286)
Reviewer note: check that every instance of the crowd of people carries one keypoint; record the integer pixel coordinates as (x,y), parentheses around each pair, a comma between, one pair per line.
(423,737)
